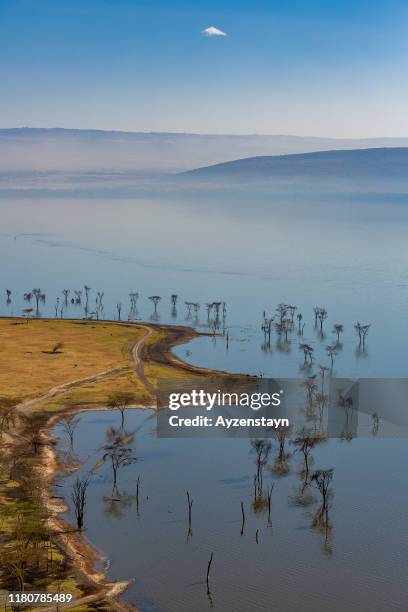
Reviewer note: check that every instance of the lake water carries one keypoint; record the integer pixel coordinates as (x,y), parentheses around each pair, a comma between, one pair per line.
(358,565)
(252,252)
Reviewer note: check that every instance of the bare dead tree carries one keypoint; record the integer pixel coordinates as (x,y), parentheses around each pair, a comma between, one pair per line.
(155,299)
(362,331)
(208,572)
(190,505)
(270,503)
(69,425)
(322,480)
(282,309)
(37,293)
(87,290)
(338,329)
(78,497)
(331,351)
(307,353)
(262,449)
(120,401)
(137,494)
(119,456)
(65,293)
(243,518)
(322,316)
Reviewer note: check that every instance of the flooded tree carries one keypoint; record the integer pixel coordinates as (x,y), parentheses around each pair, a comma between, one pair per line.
(155,299)
(304,443)
(69,425)
(338,329)
(282,310)
(87,291)
(208,573)
(190,505)
(119,309)
(311,388)
(8,294)
(121,400)
(331,351)
(269,497)
(78,497)
(280,465)
(316,311)
(173,299)
(362,331)
(376,424)
(292,309)
(242,518)
(299,318)
(322,479)
(119,457)
(137,494)
(322,371)
(262,449)
(56,307)
(267,329)
(78,296)
(37,293)
(307,352)
(65,293)
(345,402)
(322,316)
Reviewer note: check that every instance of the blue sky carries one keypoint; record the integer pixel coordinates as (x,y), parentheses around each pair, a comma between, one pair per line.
(310,67)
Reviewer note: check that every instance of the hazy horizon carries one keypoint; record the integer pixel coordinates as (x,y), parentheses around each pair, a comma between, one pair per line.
(206,133)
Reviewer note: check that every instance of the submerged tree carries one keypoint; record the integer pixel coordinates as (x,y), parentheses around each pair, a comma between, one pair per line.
(78,497)
(155,299)
(262,449)
(120,401)
(322,316)
(304,443)
(37,293)
(322,480)
(69,425)
(331,351)
(119,456)
(338,329)
(362,331)
(307,352)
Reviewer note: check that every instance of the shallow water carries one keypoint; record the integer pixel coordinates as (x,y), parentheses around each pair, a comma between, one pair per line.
(358,566)
(349,256)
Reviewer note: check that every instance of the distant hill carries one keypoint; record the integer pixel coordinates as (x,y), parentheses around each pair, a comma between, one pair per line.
(387,166)
(69,150)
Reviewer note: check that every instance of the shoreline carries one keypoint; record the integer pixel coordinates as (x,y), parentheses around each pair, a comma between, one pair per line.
(81,554)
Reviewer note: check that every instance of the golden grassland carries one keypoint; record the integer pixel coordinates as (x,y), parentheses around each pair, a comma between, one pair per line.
(29,367)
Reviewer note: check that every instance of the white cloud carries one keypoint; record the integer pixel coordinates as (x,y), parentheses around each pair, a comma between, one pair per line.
(213,32)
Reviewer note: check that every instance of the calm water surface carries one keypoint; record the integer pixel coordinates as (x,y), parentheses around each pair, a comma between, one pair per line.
(350,257)
(359,565)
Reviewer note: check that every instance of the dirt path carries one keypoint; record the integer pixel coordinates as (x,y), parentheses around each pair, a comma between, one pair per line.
(136,354)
